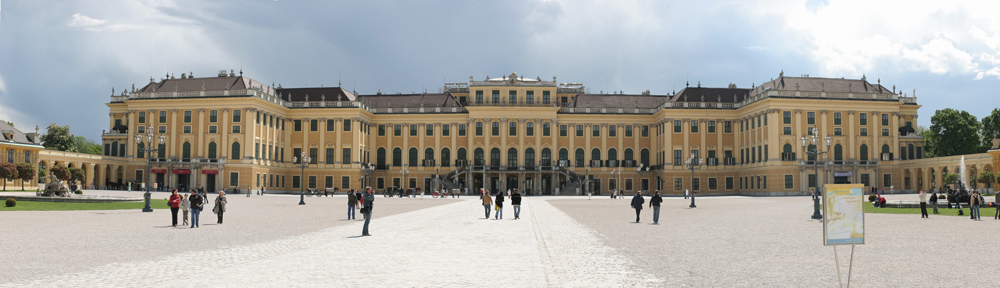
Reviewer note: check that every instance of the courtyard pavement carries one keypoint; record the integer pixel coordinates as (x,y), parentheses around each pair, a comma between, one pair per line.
(270,241)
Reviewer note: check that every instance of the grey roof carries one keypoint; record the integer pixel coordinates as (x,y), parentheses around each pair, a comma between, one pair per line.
(206,83)
(617,101)
(15,135)
(706,94)
(428,100)
(315,94)
(817,84)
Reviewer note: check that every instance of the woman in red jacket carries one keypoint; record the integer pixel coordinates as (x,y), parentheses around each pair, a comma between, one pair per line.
(175,204)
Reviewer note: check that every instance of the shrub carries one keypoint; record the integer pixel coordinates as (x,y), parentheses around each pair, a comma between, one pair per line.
(871,198)
(79,192)
(11,202)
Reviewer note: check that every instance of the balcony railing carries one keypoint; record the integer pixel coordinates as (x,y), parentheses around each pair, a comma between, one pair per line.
(712,161)
(730,161)
(788,156)
(595,163)
(628,163)
(564,163)
(461,162)
(428,162)
(612,163)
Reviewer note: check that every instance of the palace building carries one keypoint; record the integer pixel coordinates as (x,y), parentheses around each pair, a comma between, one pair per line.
(540,136)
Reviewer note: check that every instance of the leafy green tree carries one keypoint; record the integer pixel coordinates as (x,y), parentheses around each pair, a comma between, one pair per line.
(953,132)
(951,178)
(84,145)
(7,171)
(987,178)
(58,138)
(991,127)
(41,173)
(61,172)
(77,174)
(928,144)
(25,171)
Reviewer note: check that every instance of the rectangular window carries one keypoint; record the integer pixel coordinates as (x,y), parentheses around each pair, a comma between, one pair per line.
(713,184)
(886,180)
(812,180)
(864,131)
(213,129)
(885,119)
(381,129)
(613,130)
(347,156)
(677,126)
(428,129)
(496,96)
(297,152)
(579,130)
(445,130)
(836,118)
(529,97)
(596,130)
(298,125)
(512,128)
(347,125)
(678,184)
(694,126)
(864,118)
(764,182)
(496,129)
(330,153)
(258,117)
(142,117)
(529,129)
(313,125)
(345,182)
(786,117)
(236,115)
(765,120)
(811,118)
(479,128)
(562,130)
(838,131)
(645,130)
(461,129)
(909,124)
(512,97)
(677,158)
(728,126)
(729,183)
(786,130)
(234,179)
(788,181)
(866,179)
(313,159)
(545,97)
(295,181)
(213,116)
(236,129)
(711,126)
(885,132)
(546,129)
(141,129)
(187,116)
(312,182)
(397,130)
(331,125)
(187,129)
(479,96)
(413,129)
(328,182)
(696,184)
(628,130)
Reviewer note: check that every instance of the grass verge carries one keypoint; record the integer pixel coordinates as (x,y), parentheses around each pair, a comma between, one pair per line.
(943,210)
(68,206)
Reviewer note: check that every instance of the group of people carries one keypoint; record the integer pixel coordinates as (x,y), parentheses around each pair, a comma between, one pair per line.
(515,200)
(195,203)
(654,203)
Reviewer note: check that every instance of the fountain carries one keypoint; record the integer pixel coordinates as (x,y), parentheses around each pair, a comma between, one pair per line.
(961,173)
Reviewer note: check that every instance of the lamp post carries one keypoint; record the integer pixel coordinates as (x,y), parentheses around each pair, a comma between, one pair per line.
(302,176)
(641,170)
(366,172)
(147,148)
(613,177)
(403,172)
(692,163)
(815,153)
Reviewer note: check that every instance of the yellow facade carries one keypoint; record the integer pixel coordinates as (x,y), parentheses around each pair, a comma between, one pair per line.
(18,147)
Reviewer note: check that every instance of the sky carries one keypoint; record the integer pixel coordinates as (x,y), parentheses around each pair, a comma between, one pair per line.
(60,62)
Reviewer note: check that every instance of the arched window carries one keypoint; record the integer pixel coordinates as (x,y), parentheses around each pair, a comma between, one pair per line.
(812,157)
(612,154)
(529,157)
(397,157)
(838,153)
(139,152)
(546,157)
(114,148)
(628,154)
(186,150)
(563,154)
(885,149)
(236,150)
(461,154)
(445,157)
(512,157)
(644,157)
(910,152)
(863,152)
(495,156)
(429,153)
(595,154)
(579,157)
(413,157)
(479,157)
(380,158)
(211,150)
(787,148)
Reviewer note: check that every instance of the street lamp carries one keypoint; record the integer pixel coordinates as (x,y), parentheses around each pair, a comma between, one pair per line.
(366,172)
(692,163)
(147,148)
(613,177)
(815,153)
(403,172)
(641,170)
(302,176)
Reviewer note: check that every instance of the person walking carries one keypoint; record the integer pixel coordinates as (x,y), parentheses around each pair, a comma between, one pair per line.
(360,198)
(499,202)
(352,200)
(655,204)
(175,204)
(637,202)
(249,190)
(220,205)
(686,193)
(368,199)
(185,207)
(934,201)
(923,204)
(487,202)
(515,200)
(197,203)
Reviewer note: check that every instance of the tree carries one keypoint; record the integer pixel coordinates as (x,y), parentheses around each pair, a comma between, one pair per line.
(953,132)
(991,127)
(84,145)
(58,138)
(61,172)
(41,173)
(76,174)
(25,171)
(951,178)
(987,178)
(7,171)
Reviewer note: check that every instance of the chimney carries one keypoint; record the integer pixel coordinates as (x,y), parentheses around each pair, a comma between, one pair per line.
(222,73)
(183,75)
(232,73)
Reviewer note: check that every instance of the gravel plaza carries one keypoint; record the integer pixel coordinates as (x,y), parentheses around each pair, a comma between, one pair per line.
(270,241)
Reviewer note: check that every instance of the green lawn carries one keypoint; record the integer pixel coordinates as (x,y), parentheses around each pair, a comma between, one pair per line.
(64,206)
(942,209)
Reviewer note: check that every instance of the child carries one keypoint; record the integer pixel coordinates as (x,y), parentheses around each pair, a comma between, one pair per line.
(185,206)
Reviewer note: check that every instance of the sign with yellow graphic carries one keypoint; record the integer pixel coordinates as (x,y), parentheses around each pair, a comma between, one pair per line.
(843,214)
